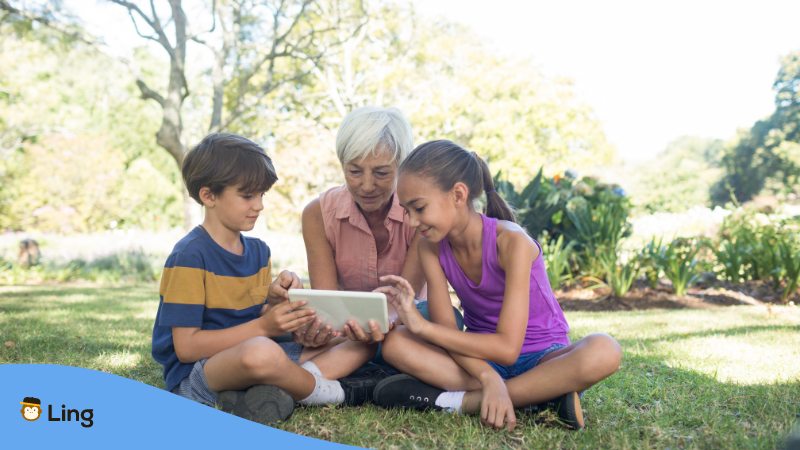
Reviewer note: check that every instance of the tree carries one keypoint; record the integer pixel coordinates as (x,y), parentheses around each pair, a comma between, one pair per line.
(257,47)
(770,150)
(679,177)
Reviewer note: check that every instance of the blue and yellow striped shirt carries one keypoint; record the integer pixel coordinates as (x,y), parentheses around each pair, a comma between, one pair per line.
(206,286)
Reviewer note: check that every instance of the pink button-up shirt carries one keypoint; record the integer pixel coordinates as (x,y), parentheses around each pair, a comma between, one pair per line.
(358,264)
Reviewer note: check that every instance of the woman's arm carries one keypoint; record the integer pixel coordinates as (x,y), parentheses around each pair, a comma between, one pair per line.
(321,263)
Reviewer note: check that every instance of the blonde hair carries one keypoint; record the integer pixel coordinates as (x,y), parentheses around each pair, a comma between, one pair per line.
(369,128)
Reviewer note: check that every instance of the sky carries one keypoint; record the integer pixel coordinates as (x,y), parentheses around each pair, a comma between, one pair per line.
(651,70)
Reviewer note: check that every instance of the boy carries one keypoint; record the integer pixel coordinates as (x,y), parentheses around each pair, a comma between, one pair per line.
(213,328)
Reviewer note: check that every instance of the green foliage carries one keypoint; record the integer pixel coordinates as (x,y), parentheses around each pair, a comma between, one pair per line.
(536,205)
(77,153)
(557,256)
(678,260)
(748,248)
(590,215)
(770,150)
(131,266)
(597,229)
(618,276)
(649,258)
(789,254)
(680,177)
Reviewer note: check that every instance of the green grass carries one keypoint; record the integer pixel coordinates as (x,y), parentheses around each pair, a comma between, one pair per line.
(718,378)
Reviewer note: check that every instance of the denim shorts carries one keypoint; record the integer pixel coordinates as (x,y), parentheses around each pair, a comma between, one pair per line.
(422,307)
(524,363)
(195,386)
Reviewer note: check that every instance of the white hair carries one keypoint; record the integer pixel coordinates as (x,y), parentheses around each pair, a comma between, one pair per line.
(369,129)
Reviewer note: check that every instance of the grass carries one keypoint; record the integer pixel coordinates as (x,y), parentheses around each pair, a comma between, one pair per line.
(719,378)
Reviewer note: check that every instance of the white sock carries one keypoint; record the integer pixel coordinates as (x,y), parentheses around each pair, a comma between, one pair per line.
(326,392)
(451,401)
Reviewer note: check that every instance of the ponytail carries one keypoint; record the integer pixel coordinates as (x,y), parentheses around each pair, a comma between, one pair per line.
(495,205)
(446,163)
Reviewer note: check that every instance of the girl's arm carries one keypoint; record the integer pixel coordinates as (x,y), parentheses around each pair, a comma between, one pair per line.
(516,252)
(412,271)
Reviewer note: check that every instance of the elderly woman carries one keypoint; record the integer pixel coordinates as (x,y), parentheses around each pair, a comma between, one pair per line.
(358,232)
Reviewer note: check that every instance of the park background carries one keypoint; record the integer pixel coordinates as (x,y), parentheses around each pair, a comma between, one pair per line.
(664,189)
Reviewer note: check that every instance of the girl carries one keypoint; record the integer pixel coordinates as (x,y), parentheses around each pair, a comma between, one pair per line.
(515,351)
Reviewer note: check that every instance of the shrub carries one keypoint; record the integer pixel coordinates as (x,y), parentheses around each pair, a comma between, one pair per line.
(591,215)
(678,261)
(619,277)
(557,257)
(649,261)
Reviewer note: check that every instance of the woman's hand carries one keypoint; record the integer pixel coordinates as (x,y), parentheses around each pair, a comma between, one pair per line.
(401,297)
(496,407)
(279,288)
(315,334)
(355,332)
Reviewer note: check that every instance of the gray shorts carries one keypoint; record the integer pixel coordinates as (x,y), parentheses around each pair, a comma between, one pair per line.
(195,387)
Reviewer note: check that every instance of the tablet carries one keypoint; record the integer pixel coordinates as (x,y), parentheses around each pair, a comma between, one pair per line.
(337,307)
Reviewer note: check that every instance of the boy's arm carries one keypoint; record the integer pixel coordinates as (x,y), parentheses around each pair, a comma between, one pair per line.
(193,343)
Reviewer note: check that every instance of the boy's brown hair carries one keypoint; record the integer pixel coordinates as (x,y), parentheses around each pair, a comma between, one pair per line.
(221,160)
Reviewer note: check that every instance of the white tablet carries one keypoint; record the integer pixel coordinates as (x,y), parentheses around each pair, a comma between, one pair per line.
(337,307)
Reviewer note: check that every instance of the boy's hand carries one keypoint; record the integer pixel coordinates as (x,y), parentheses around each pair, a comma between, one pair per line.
(401,296)
(496,407)
(279,289)
(285,317)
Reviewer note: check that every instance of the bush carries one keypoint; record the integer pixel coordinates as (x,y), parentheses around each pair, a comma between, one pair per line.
(618,276)
(557,257)
(649,258)
(115,268)
(678,260)
(590,215)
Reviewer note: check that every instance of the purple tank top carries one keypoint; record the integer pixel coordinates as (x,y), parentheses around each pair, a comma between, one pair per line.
(482,302)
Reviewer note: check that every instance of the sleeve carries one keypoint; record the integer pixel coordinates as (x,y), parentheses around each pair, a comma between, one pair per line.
(183,291)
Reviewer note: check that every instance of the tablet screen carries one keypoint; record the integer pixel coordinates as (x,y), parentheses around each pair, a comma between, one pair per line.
(337,307)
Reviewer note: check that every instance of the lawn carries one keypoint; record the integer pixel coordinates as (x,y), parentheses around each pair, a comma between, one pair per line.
(714,378)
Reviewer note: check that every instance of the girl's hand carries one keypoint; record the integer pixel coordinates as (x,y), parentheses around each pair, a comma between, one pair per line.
(315,334)
(285,317)
(401,297)
(279,288)
(496,407)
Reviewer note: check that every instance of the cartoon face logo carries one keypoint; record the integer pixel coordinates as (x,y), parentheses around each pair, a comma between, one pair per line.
(31,408)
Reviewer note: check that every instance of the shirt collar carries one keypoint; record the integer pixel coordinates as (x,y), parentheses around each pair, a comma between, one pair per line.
(396,212)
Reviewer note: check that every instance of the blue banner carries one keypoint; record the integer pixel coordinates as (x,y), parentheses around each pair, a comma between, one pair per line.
(50,406)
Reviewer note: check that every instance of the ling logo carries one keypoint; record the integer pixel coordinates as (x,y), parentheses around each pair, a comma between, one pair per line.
(31,408)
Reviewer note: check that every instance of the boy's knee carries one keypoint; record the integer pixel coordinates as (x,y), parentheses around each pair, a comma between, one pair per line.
(261,356)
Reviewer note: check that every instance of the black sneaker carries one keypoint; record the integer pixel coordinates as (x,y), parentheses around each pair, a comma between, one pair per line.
(567,407)
(262,403)
(359,386)
(405,391)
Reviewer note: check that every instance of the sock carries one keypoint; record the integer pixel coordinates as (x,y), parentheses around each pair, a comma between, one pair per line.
(326,392)
(451,401)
